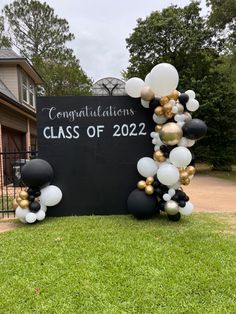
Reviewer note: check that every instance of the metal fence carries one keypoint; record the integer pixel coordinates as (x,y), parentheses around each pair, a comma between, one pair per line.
(11,164)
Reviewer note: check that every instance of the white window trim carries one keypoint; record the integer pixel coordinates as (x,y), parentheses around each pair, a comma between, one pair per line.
(28,90)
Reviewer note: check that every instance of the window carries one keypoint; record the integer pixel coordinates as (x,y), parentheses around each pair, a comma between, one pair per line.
(28,94)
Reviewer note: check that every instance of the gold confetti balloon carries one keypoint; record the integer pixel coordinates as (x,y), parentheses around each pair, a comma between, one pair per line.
(171,133)
(149,180)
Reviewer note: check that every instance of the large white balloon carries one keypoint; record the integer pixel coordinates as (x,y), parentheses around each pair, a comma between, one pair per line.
(163,79)
(186,142)
(147,167)
(187,210)
(168,174)
(30,218)
(50,196)
(134,86)
(21,212)
(180,156)
(40,215)
(147,79)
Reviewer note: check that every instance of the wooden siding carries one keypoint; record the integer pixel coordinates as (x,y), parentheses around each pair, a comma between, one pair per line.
(8,75)
(12,120)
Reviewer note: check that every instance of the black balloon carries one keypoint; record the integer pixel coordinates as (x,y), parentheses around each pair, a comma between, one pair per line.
(154,103)
(37,173)
(183,98)
(141,205)
(34,206)
(194,129)
(174,217)
(31,198)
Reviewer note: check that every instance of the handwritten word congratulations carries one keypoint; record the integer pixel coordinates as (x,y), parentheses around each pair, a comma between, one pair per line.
(88,112)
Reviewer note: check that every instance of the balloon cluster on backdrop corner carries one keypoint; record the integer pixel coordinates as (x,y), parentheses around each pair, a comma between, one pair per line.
(175,132)
(31,204)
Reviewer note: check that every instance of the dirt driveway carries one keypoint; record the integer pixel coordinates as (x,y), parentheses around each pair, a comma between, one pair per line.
(210,194)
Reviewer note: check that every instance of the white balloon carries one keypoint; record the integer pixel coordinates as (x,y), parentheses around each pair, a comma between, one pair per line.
(23,220)
(159,119)
(174,109)
(171,192)
(21,212)
(154,134)
(172,102)
(168,174)
(187,209)
(145,103)
(191,94)
(147,79)
(134,86)
(190,142)
(163,79)
(43,207)
(30,218)
(166,197)
(176,186)
(147,167)
(192,104)
(180,156)
(183,142)
(51,195)
(40,215)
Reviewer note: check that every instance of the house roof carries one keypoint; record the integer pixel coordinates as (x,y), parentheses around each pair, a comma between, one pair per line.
(10,57)
(4,90)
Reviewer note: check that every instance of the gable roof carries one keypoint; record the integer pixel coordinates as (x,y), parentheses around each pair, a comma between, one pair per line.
(8,56)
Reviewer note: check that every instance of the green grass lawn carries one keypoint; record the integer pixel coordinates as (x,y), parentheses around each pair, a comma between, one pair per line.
(116,264)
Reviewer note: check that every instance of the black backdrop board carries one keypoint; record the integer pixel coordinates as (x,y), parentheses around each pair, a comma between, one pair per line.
(93,144)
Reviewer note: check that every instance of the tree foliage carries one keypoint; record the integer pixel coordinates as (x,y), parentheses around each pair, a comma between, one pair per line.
(36,30)
(5,41)
(41,36)
(182,37)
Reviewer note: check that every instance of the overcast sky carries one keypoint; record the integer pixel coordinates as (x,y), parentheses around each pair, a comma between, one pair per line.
(101,27)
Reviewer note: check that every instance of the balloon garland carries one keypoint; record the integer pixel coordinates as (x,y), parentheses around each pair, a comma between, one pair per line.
(31,204)
(175,131)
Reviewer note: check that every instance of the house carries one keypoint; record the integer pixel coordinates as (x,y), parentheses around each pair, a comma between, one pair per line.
(18,81)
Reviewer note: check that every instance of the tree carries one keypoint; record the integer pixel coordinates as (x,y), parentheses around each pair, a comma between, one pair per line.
(41,36)
(64,77)
(182,37)
(35,29)
(4,39)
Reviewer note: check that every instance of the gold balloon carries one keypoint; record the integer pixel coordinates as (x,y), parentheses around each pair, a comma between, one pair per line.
(188,116)
(167,107)
(24,195)
(169,114)
(174,95)
(171,207)
(147,93)
(158,128)
(15,204)
(191,170)
(149,180)
(185,182)
(158,111)
(18,200)
(164,100)
(183,175)
(158,156)
(24,204)
(141,185)
(171,133)
(180,108)
(149,190)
